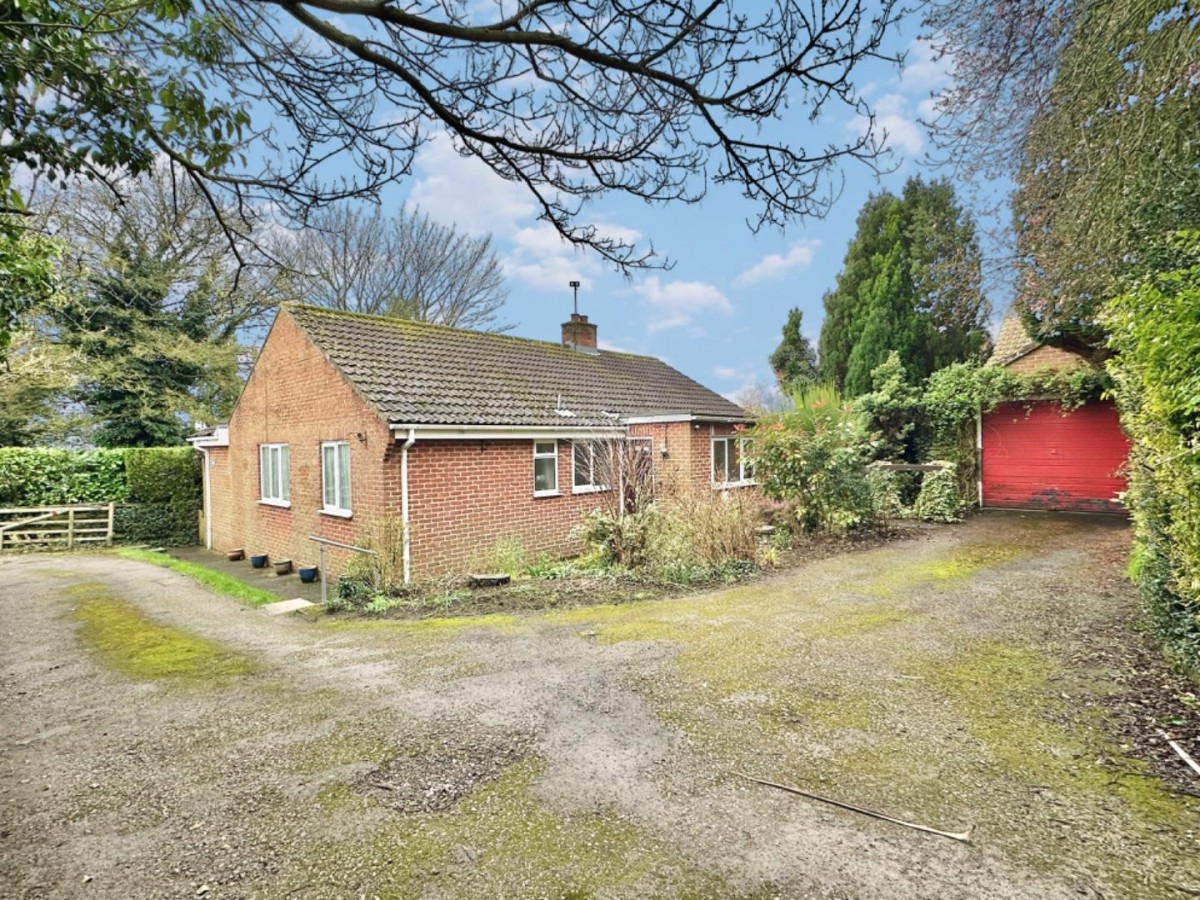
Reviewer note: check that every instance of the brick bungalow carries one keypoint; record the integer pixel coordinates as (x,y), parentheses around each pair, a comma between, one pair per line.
(468,437)
(1035,455)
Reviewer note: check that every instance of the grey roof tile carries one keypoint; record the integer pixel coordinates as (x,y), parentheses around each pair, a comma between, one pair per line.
(422,374)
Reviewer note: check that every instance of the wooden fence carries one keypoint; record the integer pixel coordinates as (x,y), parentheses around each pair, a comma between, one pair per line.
(46,527)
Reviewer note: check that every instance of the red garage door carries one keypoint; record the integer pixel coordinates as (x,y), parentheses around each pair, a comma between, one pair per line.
(1034,457)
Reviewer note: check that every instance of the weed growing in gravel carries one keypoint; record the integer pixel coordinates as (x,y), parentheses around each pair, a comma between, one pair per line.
(141,648)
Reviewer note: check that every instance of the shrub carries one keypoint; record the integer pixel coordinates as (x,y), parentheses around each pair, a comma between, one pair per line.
(699,535)
(939,499)
(817,463)
(884,487)
(620,540)
(383,570)
(507,557)
(893,412)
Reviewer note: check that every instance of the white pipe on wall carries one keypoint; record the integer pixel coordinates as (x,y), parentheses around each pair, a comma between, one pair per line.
(412,438)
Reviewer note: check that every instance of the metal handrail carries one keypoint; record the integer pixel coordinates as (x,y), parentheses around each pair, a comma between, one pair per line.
(322,543)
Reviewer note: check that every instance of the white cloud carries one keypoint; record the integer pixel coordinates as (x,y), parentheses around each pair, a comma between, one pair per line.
(462,191)
(727,373)
(893,117)
(677,303)
(798,257)
(922,71)
(542,259)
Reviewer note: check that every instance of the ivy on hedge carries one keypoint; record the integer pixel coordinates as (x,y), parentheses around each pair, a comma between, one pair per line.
(157,489)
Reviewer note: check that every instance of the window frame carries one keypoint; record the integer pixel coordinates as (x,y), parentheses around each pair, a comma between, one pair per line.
(745,472)
(592,487)
(269,471)
(342,504)
(553,442)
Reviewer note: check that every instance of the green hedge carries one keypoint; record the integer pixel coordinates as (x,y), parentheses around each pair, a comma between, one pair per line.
(1155,330)
(37,477)
(174,524)
(162,474)
(157,489)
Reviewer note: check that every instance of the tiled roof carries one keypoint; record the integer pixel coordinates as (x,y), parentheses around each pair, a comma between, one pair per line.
(422,374)
(1013,342)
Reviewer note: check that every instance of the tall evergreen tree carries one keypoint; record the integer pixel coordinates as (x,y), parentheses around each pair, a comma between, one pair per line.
(150,365)
(910,284)
(794,361)
(844,313)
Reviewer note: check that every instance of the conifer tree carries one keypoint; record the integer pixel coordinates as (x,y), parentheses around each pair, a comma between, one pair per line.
(794,361)
(910,284)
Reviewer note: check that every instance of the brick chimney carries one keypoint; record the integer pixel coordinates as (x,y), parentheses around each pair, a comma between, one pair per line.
(580,334)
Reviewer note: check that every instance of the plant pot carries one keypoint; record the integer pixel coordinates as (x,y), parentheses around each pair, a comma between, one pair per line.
(235,555)
(283,567)
(308,574)
(259,560)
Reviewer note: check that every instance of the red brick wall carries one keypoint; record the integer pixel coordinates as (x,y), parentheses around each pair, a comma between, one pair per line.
(464,495)
(295,397)
(1046,358)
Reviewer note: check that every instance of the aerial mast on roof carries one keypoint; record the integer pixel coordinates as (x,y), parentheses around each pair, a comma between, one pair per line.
(575,288)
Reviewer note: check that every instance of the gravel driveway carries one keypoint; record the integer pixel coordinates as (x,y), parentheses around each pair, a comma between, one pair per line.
(160,741)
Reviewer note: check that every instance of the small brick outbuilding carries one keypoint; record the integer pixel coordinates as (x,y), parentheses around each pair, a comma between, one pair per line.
(467,437)
(1035,455)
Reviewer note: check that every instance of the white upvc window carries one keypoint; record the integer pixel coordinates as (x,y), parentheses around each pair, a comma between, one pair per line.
(729,463)
(273,475)
(545,468)
(588,466)
(335,478)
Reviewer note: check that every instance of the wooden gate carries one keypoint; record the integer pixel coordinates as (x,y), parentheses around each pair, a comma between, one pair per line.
(55,527)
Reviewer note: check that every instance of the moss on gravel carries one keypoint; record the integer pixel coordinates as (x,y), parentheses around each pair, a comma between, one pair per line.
(962,563)
(348,742)
(1004,694)
(137,646)
(500,841)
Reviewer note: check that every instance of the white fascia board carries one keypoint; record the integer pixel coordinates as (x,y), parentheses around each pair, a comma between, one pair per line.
(658,420)
(503,432)
(662,420)
(219,438)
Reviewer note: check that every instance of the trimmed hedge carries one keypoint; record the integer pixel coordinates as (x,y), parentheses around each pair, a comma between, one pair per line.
(157,489)
(37,477)
(174,524)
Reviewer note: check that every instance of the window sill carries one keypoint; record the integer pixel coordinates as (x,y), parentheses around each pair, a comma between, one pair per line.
(590,489)
(278,504)
(727,485)
(537,495)
(338,513)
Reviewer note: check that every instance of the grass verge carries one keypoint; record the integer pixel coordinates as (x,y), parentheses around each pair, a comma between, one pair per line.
(216,581)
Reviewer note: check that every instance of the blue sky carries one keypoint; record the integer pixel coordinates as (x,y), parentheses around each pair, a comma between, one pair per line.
(717,314)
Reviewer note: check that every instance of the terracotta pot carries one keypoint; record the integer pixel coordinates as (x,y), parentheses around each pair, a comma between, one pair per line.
(235,555)
(283,567)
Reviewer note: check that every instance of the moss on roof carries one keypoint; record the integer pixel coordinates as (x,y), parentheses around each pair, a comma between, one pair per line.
(422,373)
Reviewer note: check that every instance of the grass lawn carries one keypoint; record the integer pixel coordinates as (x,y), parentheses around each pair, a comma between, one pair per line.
(217,581)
